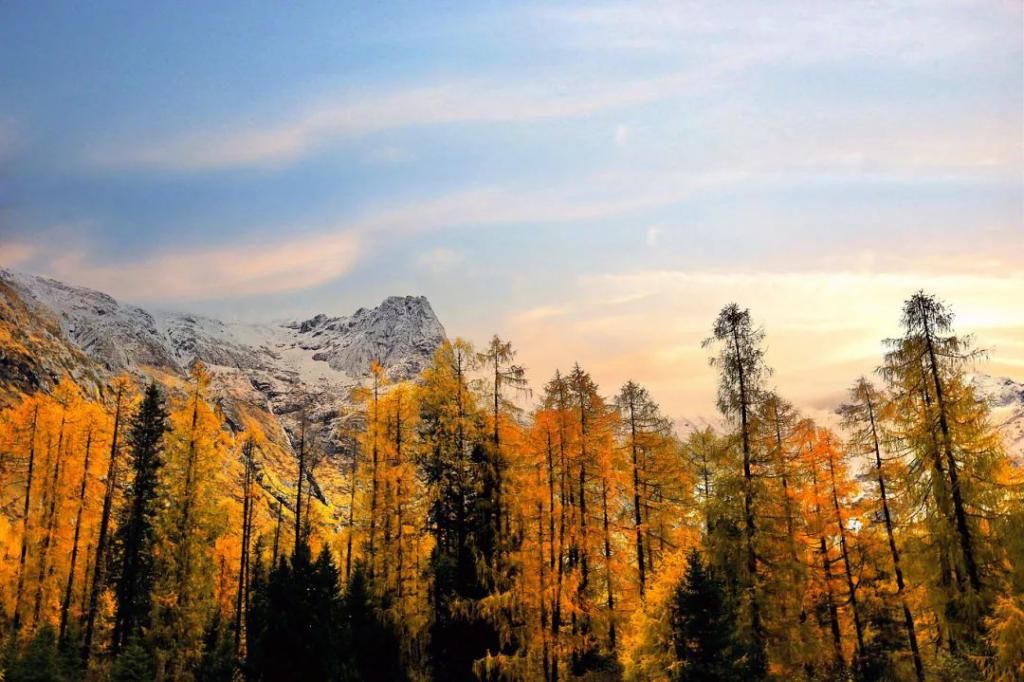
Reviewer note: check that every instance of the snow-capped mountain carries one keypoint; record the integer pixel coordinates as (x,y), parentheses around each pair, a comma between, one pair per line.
(281,367)
(401,333)
(1006,398)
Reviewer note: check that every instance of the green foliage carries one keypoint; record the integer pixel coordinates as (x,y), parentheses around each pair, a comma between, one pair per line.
(218,663)
(38,660)
(133,664)
(133,542)
(703,627)
(372,644)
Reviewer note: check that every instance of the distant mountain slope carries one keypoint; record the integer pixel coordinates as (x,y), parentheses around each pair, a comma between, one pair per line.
(1006,397)
(279,367)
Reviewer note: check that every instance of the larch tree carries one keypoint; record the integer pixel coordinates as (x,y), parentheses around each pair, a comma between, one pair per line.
(123,392)
(955,457)
(862,418)
(741,366)
(190,520)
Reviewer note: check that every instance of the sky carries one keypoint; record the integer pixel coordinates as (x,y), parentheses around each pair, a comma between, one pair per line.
(592,181)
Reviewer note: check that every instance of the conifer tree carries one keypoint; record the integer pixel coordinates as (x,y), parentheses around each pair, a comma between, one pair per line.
(26,511)
(100,563)
(450,430)
(740,362)
(135,535)
(861,417)
(703,627)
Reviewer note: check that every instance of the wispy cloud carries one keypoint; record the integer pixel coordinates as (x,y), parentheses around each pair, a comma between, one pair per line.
(439,260)
(219,272)
(356,114)
(753,31)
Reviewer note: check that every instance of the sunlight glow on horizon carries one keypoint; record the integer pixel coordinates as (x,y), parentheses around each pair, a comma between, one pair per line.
(592,182)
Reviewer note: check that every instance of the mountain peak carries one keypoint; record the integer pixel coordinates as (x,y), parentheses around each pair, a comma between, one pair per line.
(401,333)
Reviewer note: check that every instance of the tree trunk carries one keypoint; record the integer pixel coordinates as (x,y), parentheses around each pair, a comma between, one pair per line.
(99,564)
(244,550)
(298,483)
(826,565)
(372,553)
(351,518)
(608,564)
(908,618)
(25,522)
(185,521)
(637,519)
(748,511)
(51,521)
(959,509)
(66,604)
(851,587)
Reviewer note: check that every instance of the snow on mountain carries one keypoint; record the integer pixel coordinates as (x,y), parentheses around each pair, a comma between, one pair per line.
(1006,398)
(312,363)
(401,333)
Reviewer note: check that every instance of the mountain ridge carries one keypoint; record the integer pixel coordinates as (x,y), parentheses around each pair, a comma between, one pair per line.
(298,369)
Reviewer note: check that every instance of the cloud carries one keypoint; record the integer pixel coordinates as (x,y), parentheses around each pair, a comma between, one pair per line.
(824,328)
(329,253)
(13,254)
(653,235)
(439,260)
(757,32)
(316,124)
(221,272)
(621,136)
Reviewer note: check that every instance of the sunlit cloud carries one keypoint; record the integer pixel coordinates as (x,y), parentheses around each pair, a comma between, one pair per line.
(219,272)
(13,254)
(823,328)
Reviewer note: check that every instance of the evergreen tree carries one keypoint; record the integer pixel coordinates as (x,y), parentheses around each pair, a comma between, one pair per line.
(703,627)
(133,541)
(296,620)
(458,516)
(218,662)
(371,642)
(133,664)
(38,660)
(956,470)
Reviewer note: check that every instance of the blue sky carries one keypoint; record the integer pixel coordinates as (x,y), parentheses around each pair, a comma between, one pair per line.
(590,180)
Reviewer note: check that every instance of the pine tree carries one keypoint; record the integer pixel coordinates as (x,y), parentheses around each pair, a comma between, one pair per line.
(135,535)
(38,660)
(955,459)
(703,627)
(133,664)
(297,620)
(371,642)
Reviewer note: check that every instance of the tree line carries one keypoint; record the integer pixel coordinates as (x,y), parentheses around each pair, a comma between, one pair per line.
(479,530)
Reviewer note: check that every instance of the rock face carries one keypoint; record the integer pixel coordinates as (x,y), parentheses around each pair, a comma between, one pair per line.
(1006,397)
(311,364)
(401,333)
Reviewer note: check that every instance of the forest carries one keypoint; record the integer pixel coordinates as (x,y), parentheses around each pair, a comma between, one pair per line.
(497,526)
